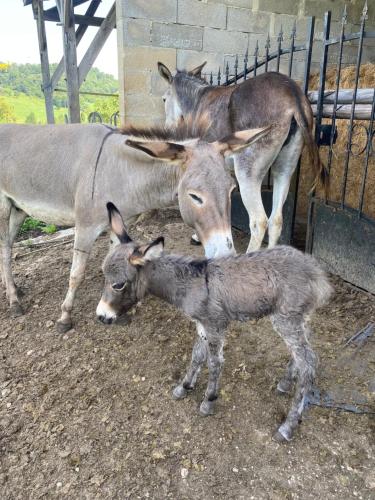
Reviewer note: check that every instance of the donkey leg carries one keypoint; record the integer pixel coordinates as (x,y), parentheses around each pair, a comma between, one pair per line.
(282,169)
(295,334)
(199,356)
(286,382)
(215,361)
(10,221)
(83,243)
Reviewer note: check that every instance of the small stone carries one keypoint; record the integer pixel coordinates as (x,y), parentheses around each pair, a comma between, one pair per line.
(49,324)
(235,469)
(29,353)
(184,472)
(58,485)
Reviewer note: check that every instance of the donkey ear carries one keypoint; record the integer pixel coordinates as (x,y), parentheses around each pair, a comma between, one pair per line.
(117,223)
(198,70)
(146,253)
(164,72)
(166,151)
(240,140)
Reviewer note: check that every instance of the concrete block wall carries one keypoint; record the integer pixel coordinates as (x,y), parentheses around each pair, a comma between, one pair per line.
(184,33)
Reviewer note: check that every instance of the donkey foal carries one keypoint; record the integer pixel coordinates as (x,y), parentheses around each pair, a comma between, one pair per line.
(282,283)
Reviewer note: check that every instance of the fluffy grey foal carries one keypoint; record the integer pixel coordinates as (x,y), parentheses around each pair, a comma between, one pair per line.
(281,283)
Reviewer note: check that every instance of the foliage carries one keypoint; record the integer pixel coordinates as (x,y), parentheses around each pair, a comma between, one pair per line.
(31,224)
(20,89)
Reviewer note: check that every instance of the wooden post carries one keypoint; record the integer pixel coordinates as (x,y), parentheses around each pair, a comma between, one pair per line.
(81,30)
(70,56)
(43,51)
(97,44)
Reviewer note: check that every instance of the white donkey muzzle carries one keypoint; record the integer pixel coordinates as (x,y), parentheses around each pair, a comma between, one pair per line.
(105,313)
(219,244)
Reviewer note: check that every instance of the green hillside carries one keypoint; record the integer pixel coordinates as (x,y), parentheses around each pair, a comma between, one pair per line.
(21,97)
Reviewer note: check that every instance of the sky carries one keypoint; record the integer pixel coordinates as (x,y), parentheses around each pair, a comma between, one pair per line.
(19,39)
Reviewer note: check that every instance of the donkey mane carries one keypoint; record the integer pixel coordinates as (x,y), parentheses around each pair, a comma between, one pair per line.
(185,130)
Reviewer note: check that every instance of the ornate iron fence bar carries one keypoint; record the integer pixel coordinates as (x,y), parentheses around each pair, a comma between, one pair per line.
(350,135)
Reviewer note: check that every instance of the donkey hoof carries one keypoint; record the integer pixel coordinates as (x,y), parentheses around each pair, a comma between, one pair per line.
(63,327)
(282,435)
(206,408)
(16,310)
(179,392)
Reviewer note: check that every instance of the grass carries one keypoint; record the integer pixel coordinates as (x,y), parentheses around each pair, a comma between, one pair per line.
(31,224)
(23,105)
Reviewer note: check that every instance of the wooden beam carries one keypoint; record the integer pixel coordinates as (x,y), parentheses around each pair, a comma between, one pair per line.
(97,44)
(70,57)
(44,62)
(79,34)
(362,111)
(364,96)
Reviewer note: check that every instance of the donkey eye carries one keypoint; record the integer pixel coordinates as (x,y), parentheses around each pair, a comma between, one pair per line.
(196,198)
(118,287)
(164,99)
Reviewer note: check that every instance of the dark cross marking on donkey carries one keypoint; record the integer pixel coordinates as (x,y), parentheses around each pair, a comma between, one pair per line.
(270,98)
(64,174)
(281,283)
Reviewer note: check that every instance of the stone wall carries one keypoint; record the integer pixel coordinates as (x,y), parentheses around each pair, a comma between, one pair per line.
(184,33)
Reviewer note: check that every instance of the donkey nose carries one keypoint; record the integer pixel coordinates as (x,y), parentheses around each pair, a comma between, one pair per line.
(105,319)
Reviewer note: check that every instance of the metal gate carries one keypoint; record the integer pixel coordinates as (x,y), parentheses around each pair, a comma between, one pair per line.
(282,57)
(341,225)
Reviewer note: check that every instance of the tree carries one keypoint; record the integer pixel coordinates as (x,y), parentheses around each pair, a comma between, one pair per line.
(7,114)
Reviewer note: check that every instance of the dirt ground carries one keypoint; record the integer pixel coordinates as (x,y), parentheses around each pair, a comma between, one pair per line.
(89,415)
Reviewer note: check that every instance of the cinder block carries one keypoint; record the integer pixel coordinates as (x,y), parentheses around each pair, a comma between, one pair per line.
(146,58)
(137,82)
(248,21)
(189,59)
(197,13)
(228,42)
(246,4)
(143,105)
(319,7)
(136,32)
(280,6)
(158,84)
(177,36)
(165,11)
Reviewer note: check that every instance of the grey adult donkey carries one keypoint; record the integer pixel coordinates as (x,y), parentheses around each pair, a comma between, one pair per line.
(281,283)
(270,98)
(64,174)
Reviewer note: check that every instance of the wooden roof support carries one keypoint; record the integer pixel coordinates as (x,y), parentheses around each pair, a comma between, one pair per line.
(66,11)
(97,44)
(44,62)
(81,30)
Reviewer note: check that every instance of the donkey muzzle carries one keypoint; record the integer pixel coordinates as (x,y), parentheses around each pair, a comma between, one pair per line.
(219,244)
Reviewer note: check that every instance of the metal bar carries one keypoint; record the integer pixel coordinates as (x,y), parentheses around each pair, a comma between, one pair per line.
(350,133)
(292,40)
(323,69)
(279,41)
(338,74)
(255,65)
(97,44)
(226,73)
(236,69)
(370,134)
(351,36)
(245,61)
(44,61)
(268,44)
(305,88)
(81,30)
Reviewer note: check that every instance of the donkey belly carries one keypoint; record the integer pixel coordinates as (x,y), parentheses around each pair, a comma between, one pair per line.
(47,212)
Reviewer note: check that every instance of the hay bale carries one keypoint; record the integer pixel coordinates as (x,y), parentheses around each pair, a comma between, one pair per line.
(356,163)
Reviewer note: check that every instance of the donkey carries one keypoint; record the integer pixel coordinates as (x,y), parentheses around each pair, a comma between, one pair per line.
(258,102)
(281,283)
(63,174)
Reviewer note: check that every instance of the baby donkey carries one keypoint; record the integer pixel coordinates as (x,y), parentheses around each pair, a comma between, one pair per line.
(281,283)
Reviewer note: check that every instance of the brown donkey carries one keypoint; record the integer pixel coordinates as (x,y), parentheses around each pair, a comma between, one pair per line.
(270,98)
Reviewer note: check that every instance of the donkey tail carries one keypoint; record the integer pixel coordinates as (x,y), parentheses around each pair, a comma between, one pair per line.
(321,173)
